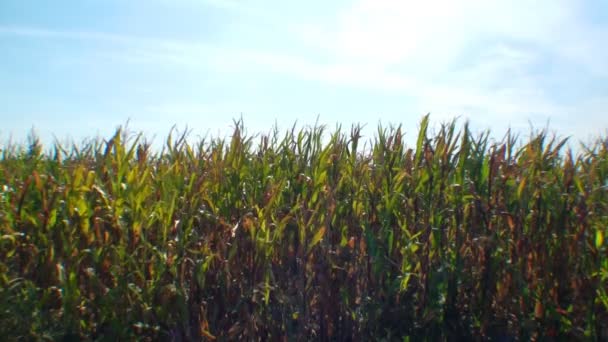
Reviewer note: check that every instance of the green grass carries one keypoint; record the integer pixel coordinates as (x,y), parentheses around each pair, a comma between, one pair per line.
(291,236)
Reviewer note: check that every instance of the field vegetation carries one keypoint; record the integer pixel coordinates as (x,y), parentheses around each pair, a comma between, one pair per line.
(305,235)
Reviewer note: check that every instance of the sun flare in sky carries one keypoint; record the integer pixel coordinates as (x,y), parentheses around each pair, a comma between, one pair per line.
(80,69)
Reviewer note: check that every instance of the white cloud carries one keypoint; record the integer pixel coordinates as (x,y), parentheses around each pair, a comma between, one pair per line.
(466,57)
(432,33)
(470,57)
(584,47)
(389,32)
(338,74)
(127,48)
(37,32)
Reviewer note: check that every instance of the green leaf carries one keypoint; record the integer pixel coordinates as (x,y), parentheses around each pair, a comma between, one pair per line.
(317,237)
(405,281)
(424,124)
(391,238)
(599,238)
(579,185)
(521,187)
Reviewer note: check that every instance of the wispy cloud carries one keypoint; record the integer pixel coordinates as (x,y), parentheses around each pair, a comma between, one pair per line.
(472,56)
(37,32)
(497,62)
(127,48)
(192,54)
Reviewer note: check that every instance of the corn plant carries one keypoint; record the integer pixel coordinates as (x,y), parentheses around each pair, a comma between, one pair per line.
(305,234)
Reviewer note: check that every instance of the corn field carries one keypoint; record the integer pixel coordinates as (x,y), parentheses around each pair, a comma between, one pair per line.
(305,235)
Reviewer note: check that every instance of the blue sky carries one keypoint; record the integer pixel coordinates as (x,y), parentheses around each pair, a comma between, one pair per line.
(81,68)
